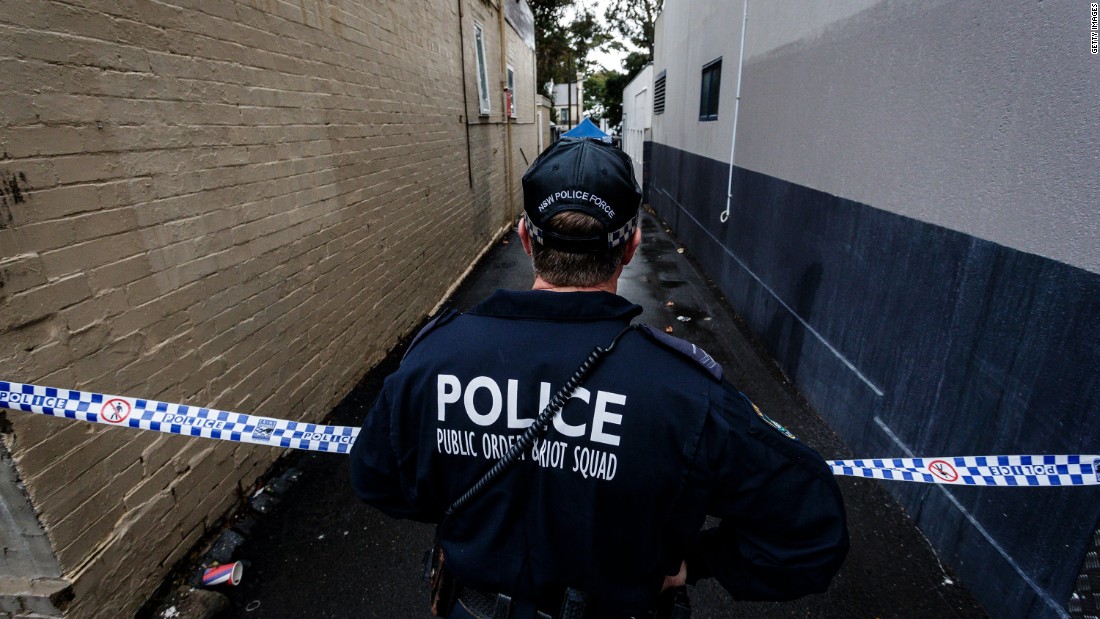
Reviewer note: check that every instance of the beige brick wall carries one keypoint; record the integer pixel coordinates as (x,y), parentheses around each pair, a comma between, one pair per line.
(489,134)
(241,205)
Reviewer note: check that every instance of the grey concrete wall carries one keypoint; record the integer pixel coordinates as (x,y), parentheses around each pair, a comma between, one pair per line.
(914,236)
(681,57)
(30,577)
(969,115)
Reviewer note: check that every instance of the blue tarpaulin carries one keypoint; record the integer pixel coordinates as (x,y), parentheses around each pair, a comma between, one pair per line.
(586,129)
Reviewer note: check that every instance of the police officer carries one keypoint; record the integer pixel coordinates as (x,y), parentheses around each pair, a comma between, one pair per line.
(604,510)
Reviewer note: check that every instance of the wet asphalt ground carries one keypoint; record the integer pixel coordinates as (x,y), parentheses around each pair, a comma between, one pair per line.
(318,552)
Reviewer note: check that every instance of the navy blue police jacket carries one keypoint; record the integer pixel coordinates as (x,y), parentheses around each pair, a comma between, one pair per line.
(615,495)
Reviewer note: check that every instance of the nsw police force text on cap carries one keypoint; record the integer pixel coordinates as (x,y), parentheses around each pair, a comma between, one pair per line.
(582,196)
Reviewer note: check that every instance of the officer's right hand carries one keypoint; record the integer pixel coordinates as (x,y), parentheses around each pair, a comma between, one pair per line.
(678,580)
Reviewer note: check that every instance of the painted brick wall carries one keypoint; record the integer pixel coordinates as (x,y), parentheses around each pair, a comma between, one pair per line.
(241,205)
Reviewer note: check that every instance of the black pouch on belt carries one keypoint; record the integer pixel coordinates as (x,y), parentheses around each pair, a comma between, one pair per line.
(442,587)
(673,604)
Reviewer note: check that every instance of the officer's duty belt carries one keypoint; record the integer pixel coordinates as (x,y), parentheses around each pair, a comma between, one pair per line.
(499,606)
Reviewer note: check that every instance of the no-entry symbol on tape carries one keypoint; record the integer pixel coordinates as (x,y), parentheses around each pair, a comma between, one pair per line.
(943,470)
(115,411)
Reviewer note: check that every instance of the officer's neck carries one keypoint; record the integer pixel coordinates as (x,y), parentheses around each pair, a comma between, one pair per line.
(611,285)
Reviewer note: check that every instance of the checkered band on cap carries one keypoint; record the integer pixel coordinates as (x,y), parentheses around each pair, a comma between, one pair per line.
(614,238)
(532,229)
(623,234)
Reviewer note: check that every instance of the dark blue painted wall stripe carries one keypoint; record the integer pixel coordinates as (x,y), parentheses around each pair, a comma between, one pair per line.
(897,328)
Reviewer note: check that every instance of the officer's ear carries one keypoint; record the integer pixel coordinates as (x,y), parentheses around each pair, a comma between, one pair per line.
(632,246)
(524,236)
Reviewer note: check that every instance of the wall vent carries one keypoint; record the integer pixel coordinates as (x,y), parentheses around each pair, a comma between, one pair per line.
(659,94)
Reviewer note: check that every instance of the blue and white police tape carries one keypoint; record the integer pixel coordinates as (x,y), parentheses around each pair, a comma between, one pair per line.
(1073,470)
(116,410)
(1010,471)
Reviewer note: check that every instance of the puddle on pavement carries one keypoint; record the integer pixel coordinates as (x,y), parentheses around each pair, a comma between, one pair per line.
(671,284)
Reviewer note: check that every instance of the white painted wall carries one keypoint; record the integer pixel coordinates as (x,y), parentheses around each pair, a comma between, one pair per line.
(637,116)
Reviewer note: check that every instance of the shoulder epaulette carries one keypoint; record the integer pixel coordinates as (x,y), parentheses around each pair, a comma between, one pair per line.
(685,348)
(440,320)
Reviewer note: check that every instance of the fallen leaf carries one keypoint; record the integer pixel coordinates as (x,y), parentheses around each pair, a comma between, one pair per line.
(668,329)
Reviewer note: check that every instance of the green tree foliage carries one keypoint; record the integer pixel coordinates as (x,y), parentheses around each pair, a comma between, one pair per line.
(565,34)
(634,63)
(635,21)
(551,40)
(603,91)
(613,97)
(595,93)
(567,31)
(586,34)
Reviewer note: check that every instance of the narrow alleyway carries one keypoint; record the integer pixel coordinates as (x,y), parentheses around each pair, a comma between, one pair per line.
(318,552)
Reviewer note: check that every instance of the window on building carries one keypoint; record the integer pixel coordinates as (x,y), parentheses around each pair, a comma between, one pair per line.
(563,116)
(511,91)
(708,96)
(482,72)
(659,94)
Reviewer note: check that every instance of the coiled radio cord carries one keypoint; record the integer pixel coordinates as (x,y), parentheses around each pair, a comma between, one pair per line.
(542,422)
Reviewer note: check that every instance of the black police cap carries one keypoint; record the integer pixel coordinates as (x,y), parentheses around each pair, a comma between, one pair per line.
(583,175)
